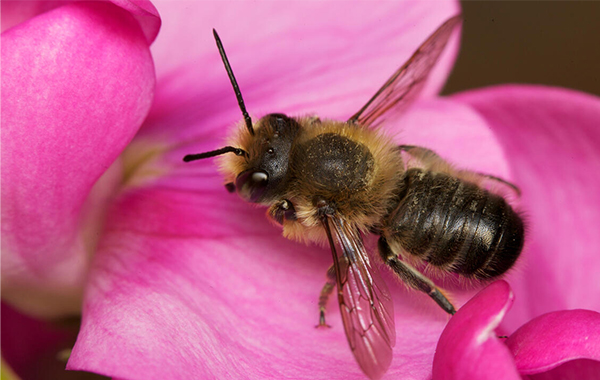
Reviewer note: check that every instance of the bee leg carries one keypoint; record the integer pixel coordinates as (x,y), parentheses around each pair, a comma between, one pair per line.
(324,296)
(412,277)
(282,210)
(230,187)
(327,290)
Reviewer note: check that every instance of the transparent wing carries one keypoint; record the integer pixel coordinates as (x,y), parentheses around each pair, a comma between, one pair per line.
(406,83)
(365,304)
(424,158)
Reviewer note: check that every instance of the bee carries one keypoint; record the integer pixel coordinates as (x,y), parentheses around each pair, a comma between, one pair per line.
(334,181)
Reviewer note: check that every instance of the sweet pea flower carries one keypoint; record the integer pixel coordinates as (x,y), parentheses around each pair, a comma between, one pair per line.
(181,279)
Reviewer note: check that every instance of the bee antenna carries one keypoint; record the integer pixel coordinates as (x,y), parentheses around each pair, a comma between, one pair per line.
(236,88)
(213,153)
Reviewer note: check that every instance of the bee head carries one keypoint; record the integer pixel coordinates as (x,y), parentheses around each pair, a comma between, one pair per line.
(265,171)
(262,168)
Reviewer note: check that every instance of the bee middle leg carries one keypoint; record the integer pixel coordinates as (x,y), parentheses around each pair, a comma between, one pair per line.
(324,296)
(412,277)
(326,292)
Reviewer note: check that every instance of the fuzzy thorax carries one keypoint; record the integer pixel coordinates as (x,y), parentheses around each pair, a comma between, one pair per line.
(355,169)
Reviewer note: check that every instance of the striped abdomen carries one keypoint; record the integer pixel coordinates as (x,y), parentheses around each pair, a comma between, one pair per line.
(455,225)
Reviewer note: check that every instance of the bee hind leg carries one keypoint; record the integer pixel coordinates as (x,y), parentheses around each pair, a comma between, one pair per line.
(413,278)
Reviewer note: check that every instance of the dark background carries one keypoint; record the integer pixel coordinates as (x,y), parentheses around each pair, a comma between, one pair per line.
(543,42)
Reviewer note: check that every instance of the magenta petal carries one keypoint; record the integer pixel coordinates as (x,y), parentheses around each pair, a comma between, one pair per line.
(580,369)
(554,338)
(189,276)
(194,285)
(77,83)
(551,141)
(469,347)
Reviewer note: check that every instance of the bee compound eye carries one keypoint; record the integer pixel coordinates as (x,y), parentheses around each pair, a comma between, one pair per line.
(251,184)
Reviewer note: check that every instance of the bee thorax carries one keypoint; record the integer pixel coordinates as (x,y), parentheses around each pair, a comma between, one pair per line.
(334,163)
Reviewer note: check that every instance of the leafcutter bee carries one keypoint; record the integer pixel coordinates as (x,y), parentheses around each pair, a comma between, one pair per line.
(326,180)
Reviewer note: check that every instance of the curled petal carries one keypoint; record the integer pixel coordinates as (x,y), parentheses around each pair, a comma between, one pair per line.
(15,12)
(77,82)
(555,338)
(145,13)
(469,347)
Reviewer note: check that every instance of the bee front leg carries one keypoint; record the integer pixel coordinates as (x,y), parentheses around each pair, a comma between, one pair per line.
(230,187)
(412,277)
(282,210)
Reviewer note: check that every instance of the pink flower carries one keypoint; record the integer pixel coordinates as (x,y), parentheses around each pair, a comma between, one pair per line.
(188,281)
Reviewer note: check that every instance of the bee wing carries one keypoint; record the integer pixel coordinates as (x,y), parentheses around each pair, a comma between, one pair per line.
(406,83)
(365,304)
(424,158)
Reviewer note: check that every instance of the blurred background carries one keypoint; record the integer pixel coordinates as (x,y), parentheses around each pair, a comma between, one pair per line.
(547,42)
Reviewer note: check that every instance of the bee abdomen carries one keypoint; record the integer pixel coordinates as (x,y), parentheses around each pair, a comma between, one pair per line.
(455,225)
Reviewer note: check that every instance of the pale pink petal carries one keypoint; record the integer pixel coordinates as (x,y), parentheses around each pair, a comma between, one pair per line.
(552,339)
(329,63)
(551,140)
(469,347)
(77,82)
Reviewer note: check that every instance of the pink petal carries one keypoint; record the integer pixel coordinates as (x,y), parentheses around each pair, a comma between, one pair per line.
(469,347)
(185,287)
(15,12)
(77,84)
(189,277)
(552,142)
(555,338)
(330,63)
